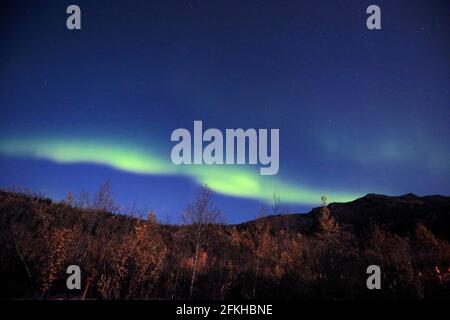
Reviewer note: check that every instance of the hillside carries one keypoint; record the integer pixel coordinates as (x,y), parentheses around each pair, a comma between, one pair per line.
(319,255)
(398,214)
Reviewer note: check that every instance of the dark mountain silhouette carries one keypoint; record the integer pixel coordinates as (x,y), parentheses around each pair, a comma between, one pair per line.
(399,214)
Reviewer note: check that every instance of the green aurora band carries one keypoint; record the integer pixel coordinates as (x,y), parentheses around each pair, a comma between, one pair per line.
(225,179)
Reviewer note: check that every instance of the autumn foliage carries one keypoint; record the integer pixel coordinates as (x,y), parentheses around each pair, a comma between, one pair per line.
(125,257)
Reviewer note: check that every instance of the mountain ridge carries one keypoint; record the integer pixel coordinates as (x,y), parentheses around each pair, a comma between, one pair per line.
(397,212)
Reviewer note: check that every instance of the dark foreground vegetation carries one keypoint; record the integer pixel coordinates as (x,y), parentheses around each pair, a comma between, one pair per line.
(320,255)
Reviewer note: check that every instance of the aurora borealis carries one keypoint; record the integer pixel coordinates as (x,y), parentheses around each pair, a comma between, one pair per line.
(223,179)
(359,111)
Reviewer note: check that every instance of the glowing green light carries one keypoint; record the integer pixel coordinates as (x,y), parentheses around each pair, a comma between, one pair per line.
(76,151)
(229,180)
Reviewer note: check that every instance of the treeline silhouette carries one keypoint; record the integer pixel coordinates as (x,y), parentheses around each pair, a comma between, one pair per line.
(127,257)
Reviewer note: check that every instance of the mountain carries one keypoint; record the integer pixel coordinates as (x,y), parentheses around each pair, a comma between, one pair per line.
(399,214)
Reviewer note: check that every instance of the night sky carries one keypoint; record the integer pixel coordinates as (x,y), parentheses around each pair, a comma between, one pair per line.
(359,111)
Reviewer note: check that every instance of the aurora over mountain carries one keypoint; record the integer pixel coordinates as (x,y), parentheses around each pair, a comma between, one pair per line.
(359,111)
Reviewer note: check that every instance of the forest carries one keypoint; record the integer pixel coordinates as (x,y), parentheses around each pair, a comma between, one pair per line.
(320,255)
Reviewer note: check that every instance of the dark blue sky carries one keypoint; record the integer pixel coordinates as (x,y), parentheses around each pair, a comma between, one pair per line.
(359,111)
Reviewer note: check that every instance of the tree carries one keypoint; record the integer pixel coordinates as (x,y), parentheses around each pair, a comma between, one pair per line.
(257,239)
(70,200)
(201,219)
(104,199)
(328,226)
(59,244)
(137,263)
(149,253)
